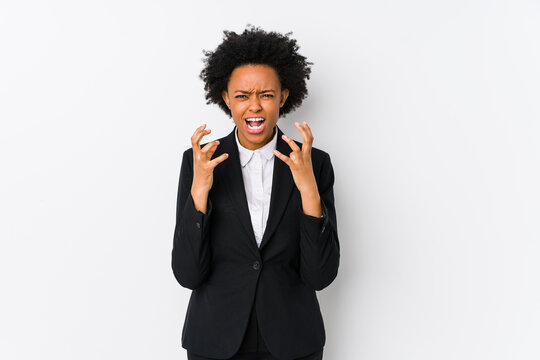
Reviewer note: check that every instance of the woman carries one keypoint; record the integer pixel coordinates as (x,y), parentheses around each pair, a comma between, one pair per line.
(255,237)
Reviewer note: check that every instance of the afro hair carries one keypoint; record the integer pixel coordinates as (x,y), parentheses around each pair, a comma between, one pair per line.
(258,47)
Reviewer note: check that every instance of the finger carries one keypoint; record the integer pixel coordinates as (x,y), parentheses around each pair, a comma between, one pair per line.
(198,135)
(306,135)
(201,134)
(284,158)
(197,130)
(291,143)
(209,146)
(302,131)
(211,151)
(215,162)
(308,130)
(195,135)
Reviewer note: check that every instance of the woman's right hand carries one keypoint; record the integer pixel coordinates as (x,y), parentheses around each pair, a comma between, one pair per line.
(203,167)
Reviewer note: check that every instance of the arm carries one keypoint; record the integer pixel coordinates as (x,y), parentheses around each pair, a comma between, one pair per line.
(191,253)
(319,244)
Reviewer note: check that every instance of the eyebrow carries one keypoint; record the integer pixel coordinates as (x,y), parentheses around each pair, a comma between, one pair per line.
(249,92)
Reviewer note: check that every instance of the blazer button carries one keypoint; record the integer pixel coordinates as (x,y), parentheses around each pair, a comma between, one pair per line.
(198,225)
(256,265)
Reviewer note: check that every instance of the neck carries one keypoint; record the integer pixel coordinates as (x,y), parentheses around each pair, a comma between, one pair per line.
(250,146)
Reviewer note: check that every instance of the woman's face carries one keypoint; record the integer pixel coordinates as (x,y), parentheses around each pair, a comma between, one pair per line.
(254,96)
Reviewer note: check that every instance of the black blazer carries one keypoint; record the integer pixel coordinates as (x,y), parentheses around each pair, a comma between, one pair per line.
(216,255)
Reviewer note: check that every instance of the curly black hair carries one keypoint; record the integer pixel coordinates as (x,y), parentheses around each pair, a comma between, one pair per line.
(258,47)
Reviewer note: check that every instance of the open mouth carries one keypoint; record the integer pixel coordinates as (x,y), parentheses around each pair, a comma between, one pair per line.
(254,123)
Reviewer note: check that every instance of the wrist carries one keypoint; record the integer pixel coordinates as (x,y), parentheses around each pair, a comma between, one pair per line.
(309,187)
(311,192)
(198,191)
(311,204)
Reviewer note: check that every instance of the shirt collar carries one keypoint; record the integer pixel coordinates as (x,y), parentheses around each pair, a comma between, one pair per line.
(267,151)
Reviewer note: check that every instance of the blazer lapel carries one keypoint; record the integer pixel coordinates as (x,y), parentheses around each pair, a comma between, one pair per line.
(235,183)
(282,185)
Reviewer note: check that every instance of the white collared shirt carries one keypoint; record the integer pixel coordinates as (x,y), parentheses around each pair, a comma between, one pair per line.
(257,172)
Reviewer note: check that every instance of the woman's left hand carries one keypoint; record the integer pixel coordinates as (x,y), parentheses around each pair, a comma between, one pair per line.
(299,161)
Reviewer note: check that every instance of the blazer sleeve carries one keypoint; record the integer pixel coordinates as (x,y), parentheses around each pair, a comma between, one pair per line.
(191,253)
(319,244)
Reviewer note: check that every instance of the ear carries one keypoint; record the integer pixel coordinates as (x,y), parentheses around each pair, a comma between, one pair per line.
(284,96)
(225,96)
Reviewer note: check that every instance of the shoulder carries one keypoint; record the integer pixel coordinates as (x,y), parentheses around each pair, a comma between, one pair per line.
(320,160)
(319,155)
(322,168)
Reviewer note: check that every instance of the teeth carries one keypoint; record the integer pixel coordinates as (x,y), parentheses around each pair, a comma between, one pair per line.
(255,119)
(255,127)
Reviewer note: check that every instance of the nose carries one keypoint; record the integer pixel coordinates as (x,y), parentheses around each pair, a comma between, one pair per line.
(254,104)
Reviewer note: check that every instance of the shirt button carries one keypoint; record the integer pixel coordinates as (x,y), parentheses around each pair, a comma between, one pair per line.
(256,265)
(198,225)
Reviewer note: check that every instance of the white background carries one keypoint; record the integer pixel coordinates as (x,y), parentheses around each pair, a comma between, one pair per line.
(430,113)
